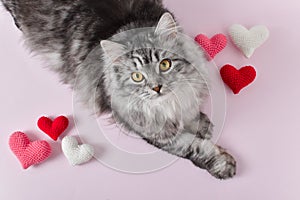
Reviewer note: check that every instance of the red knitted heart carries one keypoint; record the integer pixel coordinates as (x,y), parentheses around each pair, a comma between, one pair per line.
(212,46)
(237,79)
(53,129)
(28,153)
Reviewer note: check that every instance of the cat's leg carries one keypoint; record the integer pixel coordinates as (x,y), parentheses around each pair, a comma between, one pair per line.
(201,126)
(204,154)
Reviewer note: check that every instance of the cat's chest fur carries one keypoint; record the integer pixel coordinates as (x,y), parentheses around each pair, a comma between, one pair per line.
(159,120)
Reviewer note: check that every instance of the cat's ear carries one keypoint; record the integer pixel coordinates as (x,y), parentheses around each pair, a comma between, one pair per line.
(112,49)
(166,26)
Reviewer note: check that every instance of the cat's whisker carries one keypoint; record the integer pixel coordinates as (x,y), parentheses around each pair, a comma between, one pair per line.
(126,50)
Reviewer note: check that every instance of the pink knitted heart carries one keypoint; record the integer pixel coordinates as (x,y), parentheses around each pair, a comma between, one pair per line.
(28,153)
(212,46)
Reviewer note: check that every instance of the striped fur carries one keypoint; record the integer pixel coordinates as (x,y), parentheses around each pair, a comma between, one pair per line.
(68,33)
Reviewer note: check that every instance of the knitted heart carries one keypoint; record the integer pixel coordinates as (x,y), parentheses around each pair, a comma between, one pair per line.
(212,46)
(237,79)
(53,129)
(248,40)
(28,153)
(76,154)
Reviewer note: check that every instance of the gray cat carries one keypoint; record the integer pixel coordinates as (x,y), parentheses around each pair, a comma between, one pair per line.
(153,80)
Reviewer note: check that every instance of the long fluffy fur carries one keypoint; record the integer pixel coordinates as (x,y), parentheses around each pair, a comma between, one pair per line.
(68,32)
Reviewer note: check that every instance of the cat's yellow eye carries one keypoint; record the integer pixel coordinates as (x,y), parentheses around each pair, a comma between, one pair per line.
(165,65)
(137,77)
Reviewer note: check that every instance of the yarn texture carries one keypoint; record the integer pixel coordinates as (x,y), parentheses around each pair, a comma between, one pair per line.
(212,46)
(248,40)
(237,79)
(53,128)
(28,153)
(75,153)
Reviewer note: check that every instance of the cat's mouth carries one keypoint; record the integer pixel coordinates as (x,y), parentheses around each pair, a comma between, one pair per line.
(160,94)
(157,95)
(163,95)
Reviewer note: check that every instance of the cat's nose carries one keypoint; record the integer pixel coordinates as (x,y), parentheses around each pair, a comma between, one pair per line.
(157,88)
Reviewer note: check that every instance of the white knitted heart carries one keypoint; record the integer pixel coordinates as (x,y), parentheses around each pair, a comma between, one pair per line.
(248,40)
(76,154)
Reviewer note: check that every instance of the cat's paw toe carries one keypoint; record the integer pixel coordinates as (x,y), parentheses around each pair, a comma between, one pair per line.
(223,166)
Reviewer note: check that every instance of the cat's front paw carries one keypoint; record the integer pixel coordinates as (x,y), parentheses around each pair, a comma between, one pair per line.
(222,166)
(205,127)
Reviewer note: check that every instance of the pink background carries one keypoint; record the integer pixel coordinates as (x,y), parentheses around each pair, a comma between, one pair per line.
(262,127)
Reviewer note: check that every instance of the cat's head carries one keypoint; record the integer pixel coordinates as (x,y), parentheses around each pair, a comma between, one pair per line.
(150,64)
(154,66)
